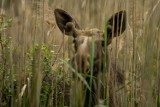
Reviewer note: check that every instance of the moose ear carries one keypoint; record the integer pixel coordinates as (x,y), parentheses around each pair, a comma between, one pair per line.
(116,25)
(63,19)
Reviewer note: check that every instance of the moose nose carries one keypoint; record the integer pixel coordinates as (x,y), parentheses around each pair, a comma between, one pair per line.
(82,62)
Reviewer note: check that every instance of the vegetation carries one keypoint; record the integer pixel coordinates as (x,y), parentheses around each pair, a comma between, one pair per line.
(35,67)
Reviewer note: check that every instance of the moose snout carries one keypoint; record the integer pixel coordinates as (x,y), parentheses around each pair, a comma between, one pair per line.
(81,62)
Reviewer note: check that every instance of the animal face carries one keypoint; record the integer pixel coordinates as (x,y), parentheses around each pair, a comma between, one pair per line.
(84,38)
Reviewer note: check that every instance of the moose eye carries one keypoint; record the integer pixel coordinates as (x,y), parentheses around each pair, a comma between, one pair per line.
(75,44)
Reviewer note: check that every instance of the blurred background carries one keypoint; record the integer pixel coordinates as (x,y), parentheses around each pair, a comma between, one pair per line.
(32,50)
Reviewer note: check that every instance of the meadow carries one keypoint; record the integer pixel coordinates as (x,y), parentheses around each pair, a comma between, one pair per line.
(35,69)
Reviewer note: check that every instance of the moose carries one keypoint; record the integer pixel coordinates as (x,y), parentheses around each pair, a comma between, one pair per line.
(81,60)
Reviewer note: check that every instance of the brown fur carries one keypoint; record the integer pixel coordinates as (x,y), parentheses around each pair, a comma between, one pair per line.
(81,59)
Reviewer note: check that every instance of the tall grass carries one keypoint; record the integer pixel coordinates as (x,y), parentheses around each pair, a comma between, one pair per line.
(34,59)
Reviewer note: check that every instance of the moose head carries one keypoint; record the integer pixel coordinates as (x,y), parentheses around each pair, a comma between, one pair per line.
(83,39)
